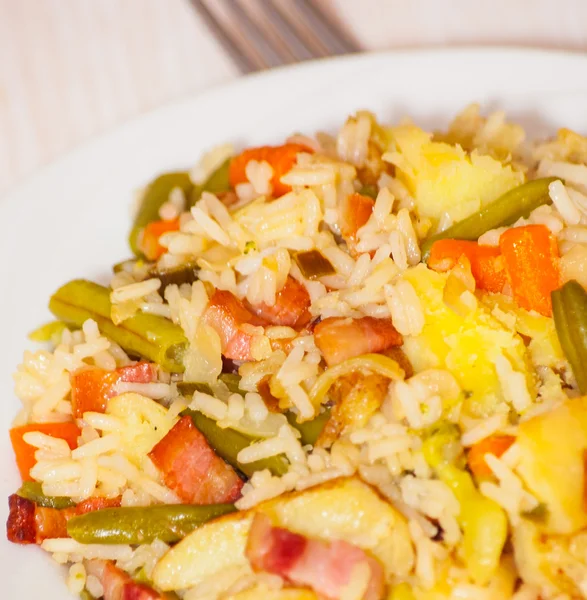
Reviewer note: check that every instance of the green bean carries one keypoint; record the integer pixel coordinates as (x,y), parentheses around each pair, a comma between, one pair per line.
(231,380)
(217,183)
(142,525)
(569,310)
(33,491)
(48,332)
(148,336)
(187,273)
(369,190)
(310,430)
(227,443)
(507,209)
(156,194)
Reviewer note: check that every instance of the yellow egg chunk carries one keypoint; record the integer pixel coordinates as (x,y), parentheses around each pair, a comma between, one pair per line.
(544,346)
(146,423)
(500,586)
(552,448)
(346,509)
(467,345)
(444,178)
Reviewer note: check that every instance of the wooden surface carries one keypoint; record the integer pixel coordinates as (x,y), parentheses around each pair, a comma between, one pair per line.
(73,68)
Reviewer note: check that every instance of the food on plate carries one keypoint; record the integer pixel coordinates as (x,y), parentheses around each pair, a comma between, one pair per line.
(346,367)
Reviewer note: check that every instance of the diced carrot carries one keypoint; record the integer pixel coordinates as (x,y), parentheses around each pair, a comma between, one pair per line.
(149,241)
(192,469)
(487,263)
(225,314)
(494,444)
(291,306)
(25,454)
(532,266)
(92,387)
(340,339)
(356,210)
(281,159)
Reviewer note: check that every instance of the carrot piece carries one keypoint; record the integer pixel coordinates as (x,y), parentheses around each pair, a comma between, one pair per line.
(25,454)
(92,387)
(487,263)
(355,212)
(532,265)
(291,306)
(340,339)
(149,242)
(494,444)
(281,159)
(192,469)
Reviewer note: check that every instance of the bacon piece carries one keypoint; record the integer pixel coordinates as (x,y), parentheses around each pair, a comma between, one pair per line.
(340,338)
(355,212)
(92,387)
(291,306)
(119,585)
(192,469)
(31,524)
(20,526)
(225,314)
(326,567)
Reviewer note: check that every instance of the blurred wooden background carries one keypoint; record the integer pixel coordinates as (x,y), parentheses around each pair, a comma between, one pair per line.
(73,68)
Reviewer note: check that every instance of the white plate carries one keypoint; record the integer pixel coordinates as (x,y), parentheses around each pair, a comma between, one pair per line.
(71,220)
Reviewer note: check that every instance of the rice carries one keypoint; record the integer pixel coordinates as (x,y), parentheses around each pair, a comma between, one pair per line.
(405,308)
(88,551)
(490,358)
(134,291)
(484,429)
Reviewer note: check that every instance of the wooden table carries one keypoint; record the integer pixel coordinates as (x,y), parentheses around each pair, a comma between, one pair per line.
(72,68)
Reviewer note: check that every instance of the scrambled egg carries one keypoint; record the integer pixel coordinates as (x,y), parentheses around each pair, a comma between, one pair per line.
(468,346)
(445,179)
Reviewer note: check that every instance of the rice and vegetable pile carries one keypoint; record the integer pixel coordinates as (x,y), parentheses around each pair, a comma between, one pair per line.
(347,367)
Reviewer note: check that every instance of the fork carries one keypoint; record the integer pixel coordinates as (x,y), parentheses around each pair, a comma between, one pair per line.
(259,34)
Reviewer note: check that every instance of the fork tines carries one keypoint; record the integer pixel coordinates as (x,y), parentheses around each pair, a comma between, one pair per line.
(259,34)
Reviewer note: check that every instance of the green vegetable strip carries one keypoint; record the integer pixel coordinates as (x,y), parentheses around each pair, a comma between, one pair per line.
(369,190)
(227,443)
(569,310)
(148,336)
(48,332)
(507,209)
(188,388)
(156,194)
(313,264)
(33,491)
(310,430)
(142,525)
(217,183)
(85,595)
(187,273)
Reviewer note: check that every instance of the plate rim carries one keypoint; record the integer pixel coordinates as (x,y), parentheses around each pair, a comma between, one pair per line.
(437,53)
